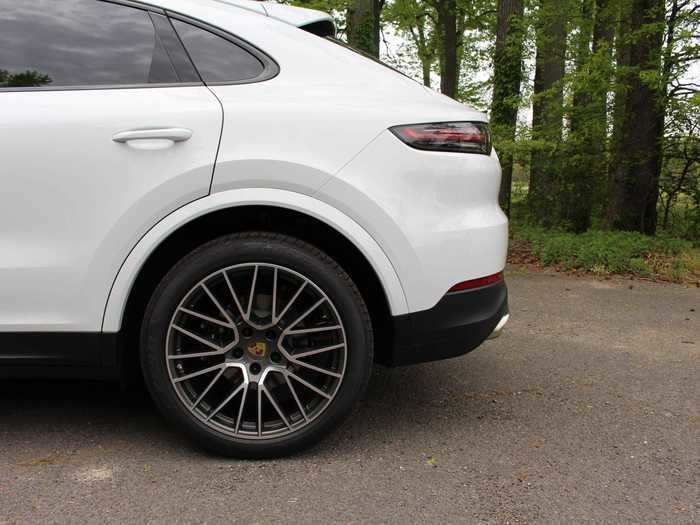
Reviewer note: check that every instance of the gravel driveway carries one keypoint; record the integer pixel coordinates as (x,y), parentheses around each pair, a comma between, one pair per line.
(586,410)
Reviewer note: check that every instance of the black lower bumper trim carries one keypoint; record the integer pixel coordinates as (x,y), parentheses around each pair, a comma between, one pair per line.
(459,323)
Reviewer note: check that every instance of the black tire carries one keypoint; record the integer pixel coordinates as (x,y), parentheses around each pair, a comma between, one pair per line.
(257,247)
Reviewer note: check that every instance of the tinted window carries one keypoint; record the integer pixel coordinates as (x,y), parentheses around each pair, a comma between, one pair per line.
(217,59)
(79,43)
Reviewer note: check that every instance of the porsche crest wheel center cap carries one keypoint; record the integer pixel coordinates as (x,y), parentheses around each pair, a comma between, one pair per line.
(257,349)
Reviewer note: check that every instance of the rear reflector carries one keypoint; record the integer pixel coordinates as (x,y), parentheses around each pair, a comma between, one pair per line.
(476,283)
(456,137)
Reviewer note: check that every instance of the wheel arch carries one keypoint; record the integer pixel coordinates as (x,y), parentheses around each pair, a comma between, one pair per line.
(223,213)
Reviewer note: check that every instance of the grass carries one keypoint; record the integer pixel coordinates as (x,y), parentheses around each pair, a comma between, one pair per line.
(606,252)
(672,255)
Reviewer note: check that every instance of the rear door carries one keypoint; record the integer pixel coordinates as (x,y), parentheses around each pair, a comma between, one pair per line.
(105,128)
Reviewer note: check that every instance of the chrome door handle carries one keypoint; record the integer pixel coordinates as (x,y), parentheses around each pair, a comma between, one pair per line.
(171,134)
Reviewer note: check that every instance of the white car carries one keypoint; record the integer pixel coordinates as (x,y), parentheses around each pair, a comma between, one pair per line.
(213,193)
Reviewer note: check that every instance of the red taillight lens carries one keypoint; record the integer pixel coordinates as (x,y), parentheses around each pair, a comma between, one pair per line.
(459,137)
(476,283)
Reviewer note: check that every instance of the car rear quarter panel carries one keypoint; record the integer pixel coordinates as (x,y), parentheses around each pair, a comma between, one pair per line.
(435,214)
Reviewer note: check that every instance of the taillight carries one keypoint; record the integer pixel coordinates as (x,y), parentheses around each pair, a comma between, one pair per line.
(477,283)
(458,137)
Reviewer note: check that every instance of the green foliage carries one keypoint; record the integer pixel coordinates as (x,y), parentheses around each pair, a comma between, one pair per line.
(680,176)
(611,252)
(640,267)
(416,21)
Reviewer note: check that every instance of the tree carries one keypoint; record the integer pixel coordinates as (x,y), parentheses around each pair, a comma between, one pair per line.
(449,41)
(438,29)
(681,171)
(634,186)
(680,174)
(622,60)
(363,25)
(584,162)
(414,19)
(507,75)
(547,111)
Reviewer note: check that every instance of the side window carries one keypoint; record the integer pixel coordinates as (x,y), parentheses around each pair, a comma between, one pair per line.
(217,59)
(81,43)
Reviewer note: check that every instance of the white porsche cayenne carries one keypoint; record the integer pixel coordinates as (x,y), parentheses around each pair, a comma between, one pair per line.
(218,195)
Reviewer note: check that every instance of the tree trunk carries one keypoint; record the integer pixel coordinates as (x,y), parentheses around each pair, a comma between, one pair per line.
(603,44)
(363,25)
(426,73)
(577,163)
(449,64)
(507,75)
(426,50)
(635,182)
(661,106)
(623,48)
(547,111)
(585,159)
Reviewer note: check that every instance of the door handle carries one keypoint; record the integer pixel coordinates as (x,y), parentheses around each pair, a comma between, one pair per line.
(170,134)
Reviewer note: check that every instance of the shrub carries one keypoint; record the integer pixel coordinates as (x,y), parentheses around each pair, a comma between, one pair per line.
(640,267)
(611,252)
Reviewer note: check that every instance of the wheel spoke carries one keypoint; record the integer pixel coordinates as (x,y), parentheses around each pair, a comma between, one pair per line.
(259,425)
(274,295)
(305,314)
(313,330)
(290,303)
(226,401)
(252,293)
(206,318)
(309,385)
(318,351)
(199,339)
(277,408)
(318,369)
(199,373)
(240,408)
(218,305)
(296,398)
(206,390)
(233,294)
(175,357)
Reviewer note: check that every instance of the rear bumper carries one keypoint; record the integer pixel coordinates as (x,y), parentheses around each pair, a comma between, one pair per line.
(458,324)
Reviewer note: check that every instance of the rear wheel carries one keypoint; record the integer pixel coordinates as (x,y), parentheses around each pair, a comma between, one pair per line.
(256,345)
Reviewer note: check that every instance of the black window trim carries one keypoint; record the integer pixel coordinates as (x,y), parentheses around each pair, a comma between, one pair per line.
(270,67)
(199,82)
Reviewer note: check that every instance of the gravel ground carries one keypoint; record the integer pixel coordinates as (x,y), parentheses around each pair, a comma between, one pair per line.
(586,410)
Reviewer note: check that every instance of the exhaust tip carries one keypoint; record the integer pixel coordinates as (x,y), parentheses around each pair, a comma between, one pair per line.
(499,327)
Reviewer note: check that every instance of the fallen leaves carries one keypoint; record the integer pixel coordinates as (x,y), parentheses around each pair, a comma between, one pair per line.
(51,459)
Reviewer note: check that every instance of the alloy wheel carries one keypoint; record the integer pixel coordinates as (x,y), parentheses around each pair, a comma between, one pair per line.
(256,351)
